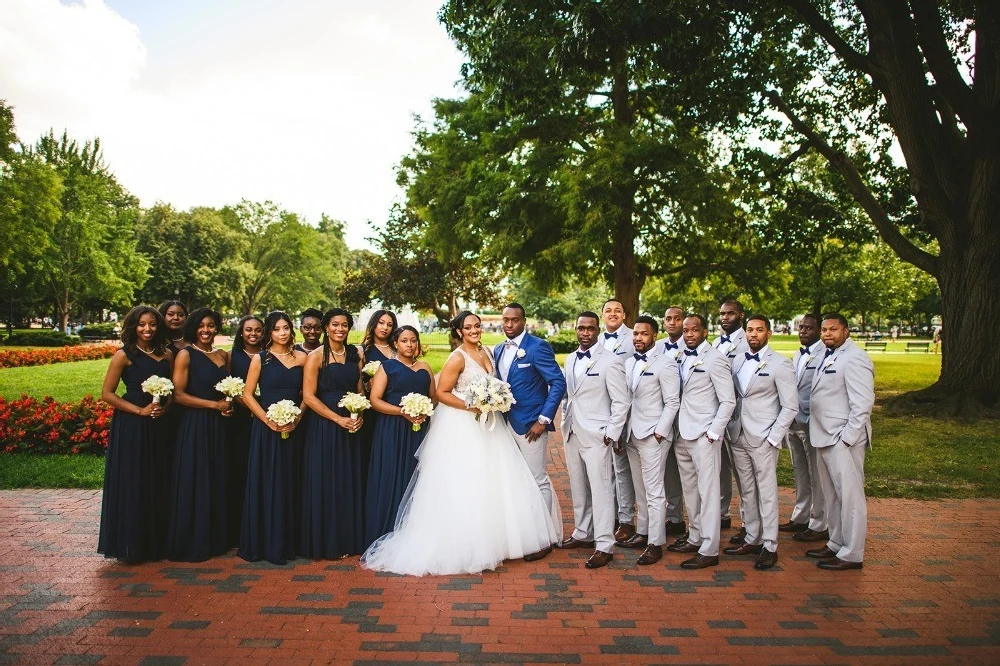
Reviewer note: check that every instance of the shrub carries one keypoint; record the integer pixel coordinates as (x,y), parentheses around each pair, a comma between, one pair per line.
(19,358)
(105,330)
(42,339)
(31,426)
(564,341)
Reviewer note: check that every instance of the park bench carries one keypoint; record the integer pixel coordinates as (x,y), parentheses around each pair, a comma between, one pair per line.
(878,346)
(924,347)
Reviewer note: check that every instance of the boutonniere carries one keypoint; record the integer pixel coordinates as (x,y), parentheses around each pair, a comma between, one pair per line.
(828,363)
(730,346)
(761,366)
(642,368)
(590,363)
(520,353)
(697,363)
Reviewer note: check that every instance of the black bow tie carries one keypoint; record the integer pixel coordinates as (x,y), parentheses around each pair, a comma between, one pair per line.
(690,352)
(667,346)
(829,351)
(639,357)
(804,351)
(611,335)
(749,356)
(723,338)
(581,354)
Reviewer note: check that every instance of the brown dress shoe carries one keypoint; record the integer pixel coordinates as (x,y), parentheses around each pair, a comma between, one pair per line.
(676,529)
(700,562)
(683,547)
(624,532)
(576,543)
(745,549)
(651,555)
(766,560)
(739,537)
(635,541)
(823,553)
(532,557)
(792,526)
(809,536)
(837,564)
(599,559)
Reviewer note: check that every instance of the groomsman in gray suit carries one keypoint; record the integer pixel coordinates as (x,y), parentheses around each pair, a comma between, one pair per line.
(617,338)
(707,403)
(840,427)
(654,397)
(732,343)
(766,403)
(672,346)
(592,421)
(808,521)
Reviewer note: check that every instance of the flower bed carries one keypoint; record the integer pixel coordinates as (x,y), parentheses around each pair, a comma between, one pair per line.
(19,358)
(28,425)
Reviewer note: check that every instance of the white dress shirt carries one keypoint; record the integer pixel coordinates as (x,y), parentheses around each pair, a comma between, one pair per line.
(748,369)
(509,353)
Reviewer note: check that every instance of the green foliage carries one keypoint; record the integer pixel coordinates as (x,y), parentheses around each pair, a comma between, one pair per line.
(54,471)
(553,305)
(42,339)
(564,341)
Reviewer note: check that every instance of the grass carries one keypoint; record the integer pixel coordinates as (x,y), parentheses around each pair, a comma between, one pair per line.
(914,457)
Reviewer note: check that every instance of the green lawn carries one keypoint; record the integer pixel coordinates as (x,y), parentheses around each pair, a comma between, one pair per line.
(28,471)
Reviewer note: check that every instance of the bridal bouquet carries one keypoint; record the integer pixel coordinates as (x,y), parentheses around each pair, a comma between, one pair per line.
(371,368)
(158,387)
(415,404)
(230,387)
(489,394)
(283,412)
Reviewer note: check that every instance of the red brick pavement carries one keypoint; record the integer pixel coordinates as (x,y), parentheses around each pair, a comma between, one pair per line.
(928,594)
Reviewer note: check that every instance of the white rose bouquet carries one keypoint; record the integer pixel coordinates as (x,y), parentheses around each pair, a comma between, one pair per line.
(158,387)
(230,387)
(283,412)
(371,368)
(415,404)
(488,395)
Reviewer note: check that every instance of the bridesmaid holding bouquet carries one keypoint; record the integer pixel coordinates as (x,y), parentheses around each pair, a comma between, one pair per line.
(269,520)
(375,347)
(134,509)
(246,345)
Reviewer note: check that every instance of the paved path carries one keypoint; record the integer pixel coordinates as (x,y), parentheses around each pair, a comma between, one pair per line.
(929,594)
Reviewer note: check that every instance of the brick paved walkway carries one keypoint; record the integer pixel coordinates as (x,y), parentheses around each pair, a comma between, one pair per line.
(929,594)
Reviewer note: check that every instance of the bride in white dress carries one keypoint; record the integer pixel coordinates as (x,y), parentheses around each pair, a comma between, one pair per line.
(472,502)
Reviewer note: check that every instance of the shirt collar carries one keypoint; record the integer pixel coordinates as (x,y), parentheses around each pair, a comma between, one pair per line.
(520,338)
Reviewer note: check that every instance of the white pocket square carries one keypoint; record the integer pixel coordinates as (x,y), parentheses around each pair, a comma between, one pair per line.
(524,365)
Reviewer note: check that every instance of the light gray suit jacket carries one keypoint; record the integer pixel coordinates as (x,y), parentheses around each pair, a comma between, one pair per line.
(597,404)
(733,349)
(707,396)
(843,394)
(805,380)
(624,347)
(656,397)
(768,405)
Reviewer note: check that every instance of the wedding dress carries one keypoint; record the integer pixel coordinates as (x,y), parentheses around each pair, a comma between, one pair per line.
(472,502)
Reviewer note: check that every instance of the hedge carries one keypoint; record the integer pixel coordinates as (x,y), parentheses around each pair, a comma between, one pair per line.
(19,358)
(28,425)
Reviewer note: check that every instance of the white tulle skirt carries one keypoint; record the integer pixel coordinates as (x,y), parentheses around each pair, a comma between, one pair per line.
(472,503)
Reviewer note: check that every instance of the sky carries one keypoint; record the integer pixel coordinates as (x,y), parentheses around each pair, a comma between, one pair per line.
(307,103)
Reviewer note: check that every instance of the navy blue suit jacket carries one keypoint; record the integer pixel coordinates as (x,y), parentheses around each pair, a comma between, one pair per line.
(536,381)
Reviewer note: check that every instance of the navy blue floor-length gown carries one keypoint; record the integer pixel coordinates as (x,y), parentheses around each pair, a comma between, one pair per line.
(331,524)
(198,520)
(368,428)
(237,451)
(394,444)
(134,507)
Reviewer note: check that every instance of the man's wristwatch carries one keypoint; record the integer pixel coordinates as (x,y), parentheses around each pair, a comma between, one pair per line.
(544,420)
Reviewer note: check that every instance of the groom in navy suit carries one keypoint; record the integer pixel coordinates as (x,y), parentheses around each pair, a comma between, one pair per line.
(529,365)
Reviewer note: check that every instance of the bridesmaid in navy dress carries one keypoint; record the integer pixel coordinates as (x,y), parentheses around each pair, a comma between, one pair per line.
(375,346)
(198,521)
(311,327)
(395,442)
(134,510)
(246,345)
(174,314)
(331,525)
(269,530)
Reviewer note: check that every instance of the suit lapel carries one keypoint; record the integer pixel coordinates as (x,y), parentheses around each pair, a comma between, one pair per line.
(753,377)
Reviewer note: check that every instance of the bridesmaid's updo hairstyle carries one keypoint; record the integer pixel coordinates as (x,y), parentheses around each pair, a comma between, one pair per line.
(129,337)
(270,322)
(353,356)
(459,321)
(193,322)
(166,305)
(369,339)
(399,331)
(238,342)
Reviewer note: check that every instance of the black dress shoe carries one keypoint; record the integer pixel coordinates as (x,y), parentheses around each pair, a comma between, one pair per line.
(634,541)
(766,560)
(837,564)
(727,523)
(745,549)
(624,532)
(532,557)
(808,536)
(676,529)
(685,547)
(576,543)
(739,537)
(823,553)
(700,562)
(792,526)
(599,559)
(651,555)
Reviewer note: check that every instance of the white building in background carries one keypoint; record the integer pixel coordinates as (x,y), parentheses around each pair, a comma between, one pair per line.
(404,316)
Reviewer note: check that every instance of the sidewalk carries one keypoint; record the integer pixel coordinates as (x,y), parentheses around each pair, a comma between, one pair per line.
(929,594)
